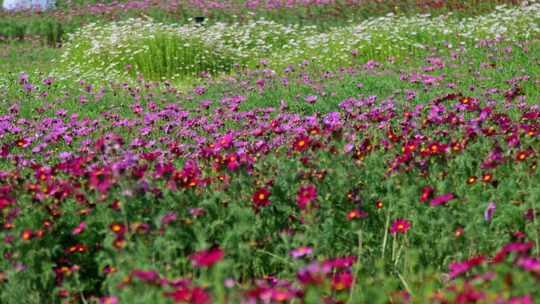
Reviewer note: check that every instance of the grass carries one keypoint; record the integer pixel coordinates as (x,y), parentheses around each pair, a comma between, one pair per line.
(179,52)
(17,57)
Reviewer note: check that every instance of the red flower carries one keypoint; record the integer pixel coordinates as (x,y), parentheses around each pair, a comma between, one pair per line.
(23,143)
(400,226)
(118,229)
(188,177)
(471,180)
(427,191)
(305,195)
(27,234)
(522,155)
(301,143)
(5,201)
(206,258)
(260,197)
(186,295)
(119,242)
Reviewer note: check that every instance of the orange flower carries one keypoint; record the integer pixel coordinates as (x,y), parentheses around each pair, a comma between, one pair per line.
(471,180)
(119,243)
(356,214)
(522,155)
(26,234)
(117,228)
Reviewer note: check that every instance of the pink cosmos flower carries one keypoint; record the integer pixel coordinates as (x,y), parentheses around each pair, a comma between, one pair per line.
(311,99)
(342,280)
(516,247)
(206,258)
(526,299)
(529,264)
(80,228)
(146,276)
(458,268)
(301,251)
(168,218)
(400,226)
(108,300)
(305,195)
(442,199)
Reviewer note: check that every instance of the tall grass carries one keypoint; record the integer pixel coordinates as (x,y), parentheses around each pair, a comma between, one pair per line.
(71,15)
(159,51)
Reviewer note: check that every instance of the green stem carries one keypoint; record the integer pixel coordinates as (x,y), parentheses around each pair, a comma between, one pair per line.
(275,256)
(356,266)
(385,238)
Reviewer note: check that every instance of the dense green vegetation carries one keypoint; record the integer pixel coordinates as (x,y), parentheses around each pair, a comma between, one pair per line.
(271,161)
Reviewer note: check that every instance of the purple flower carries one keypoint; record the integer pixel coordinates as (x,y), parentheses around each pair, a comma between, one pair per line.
(301,251)
(332,120)
(490,210)
(311,99)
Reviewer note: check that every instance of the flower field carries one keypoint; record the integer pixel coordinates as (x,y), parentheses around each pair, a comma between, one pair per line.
(387,154)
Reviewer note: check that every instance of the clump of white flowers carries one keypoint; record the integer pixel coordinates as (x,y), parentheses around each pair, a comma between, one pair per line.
(158,51)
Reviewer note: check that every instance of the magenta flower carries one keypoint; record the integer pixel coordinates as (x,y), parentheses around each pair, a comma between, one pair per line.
(108,300)
(146,276)
(442,199)
(168,218)
(516,247)
(458,268)
(529,264)
(206,258)
(526,299)
(80,228)
(400,226)
(100,179)
(305,195)
(342,280)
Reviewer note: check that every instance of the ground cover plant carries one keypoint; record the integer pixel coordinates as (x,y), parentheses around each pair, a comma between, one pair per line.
(406,177)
